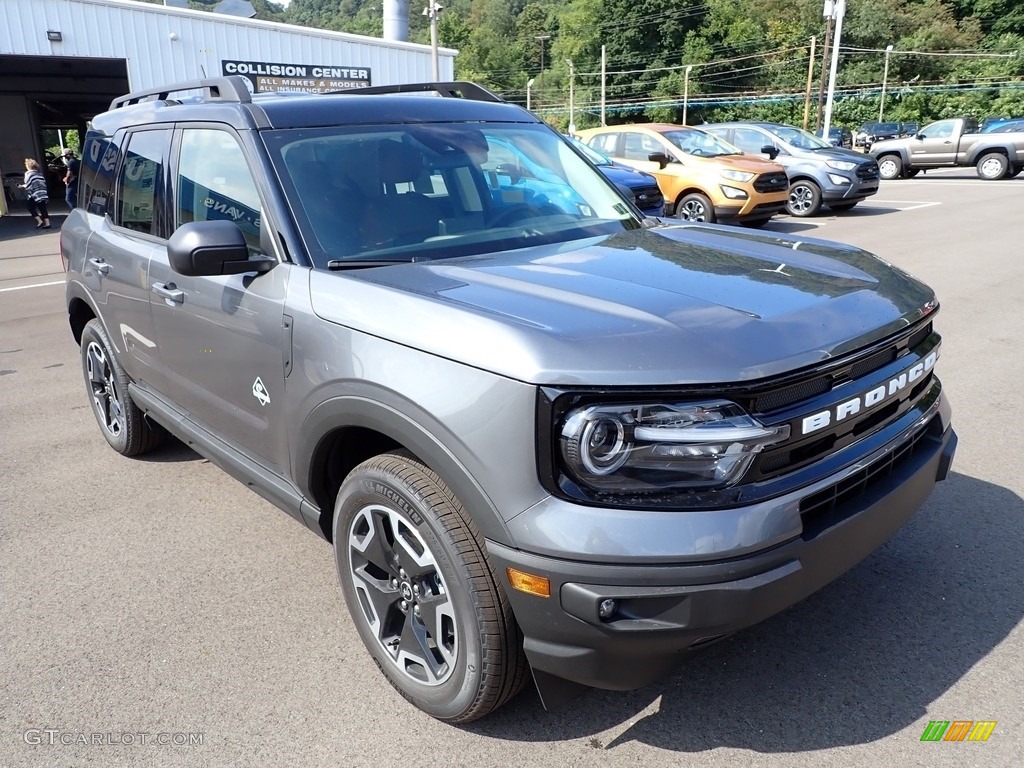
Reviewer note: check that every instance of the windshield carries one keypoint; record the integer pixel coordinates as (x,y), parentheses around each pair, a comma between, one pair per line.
(370,194)
(590,153)
(700,144)
(797,137)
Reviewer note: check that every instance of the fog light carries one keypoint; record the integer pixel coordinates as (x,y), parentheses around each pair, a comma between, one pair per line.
(607,608)
(732,192)
(840,180)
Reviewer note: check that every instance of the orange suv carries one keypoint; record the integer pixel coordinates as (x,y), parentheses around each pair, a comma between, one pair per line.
(702,177)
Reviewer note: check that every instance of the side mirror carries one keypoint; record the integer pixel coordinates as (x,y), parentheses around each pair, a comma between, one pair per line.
(919,136)
(660,158)
(770,150)
(212,248)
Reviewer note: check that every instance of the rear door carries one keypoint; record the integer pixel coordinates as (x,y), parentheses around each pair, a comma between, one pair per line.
(124,241)
(224,340)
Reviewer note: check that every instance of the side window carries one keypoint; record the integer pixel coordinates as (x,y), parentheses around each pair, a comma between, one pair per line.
(940,130)
(749,140)
(214,183)
(140,182)
(639,147)
(606,143)
(99,163)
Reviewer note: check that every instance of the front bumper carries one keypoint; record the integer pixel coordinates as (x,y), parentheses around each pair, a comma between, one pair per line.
(667,611)
(857,189)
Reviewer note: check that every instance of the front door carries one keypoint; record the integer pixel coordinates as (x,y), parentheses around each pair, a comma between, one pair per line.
(222,339)
(938,147)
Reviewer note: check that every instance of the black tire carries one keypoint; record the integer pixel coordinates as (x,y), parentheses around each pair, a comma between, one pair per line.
(402,540)
(843,206)
(890,167)
(1014,171)
(992,166)
(804,198)
(120,421)
(695,207)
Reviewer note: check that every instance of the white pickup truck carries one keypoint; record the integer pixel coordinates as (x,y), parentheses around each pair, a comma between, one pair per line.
(947,143)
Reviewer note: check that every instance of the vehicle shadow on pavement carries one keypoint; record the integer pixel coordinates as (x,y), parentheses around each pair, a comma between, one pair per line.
(171,452)
(15,227)
(857,662)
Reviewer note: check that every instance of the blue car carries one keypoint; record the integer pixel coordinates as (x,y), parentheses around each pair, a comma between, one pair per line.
(641,187)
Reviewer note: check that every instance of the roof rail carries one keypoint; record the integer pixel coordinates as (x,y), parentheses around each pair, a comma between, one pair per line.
(457,89)
(232,88)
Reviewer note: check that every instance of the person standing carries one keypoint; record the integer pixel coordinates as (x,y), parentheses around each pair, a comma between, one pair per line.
(35,191)
(71,177)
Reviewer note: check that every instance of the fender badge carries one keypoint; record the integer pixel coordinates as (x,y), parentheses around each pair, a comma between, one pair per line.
(260,392)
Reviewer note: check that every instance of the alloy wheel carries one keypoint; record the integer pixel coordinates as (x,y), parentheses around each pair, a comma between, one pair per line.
(402,595)
(106,400)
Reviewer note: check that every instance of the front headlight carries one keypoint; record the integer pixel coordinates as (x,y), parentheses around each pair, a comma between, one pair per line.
(741,176)
(841,165)
(637,447)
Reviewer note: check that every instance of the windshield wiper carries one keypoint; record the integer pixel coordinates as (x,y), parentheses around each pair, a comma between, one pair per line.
(336,265)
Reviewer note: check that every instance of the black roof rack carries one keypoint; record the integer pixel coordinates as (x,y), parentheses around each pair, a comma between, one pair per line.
(457,89)
(232,89)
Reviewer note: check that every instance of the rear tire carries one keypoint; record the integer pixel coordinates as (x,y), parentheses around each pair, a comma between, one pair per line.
(992,166)
(695,207)
(121,423)
(425,599)
(890,167)
(804,198)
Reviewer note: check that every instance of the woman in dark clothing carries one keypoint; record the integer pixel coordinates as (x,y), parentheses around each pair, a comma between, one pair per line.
(35,190)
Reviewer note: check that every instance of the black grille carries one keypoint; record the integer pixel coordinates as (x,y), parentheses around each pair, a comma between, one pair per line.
(648,197)
(867,171)
(827,500)
(779,397)
(794,393)
(777,181)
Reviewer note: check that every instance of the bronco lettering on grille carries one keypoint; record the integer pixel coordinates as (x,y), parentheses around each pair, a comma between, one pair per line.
(871,398)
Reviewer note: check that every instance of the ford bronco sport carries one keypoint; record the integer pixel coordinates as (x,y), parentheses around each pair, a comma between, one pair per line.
(546,436)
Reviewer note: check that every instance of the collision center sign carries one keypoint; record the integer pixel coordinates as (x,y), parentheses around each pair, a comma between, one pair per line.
(309,78)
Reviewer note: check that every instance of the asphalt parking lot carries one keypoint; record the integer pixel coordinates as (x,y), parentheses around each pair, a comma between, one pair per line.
(159,596)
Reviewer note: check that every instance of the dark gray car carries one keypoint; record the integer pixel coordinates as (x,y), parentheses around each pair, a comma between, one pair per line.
(548,437)
(819,173)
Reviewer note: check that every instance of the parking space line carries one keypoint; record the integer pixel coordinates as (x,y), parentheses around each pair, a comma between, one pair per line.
(34,285)
(914,204)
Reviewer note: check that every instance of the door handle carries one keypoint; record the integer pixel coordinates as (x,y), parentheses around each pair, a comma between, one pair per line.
(100,266)
(169,291)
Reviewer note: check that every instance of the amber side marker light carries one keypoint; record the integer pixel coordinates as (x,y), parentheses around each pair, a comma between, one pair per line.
(529,583)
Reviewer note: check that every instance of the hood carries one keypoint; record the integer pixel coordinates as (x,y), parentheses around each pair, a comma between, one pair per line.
(744,162)
(626,176)
(675,304)
(834,153)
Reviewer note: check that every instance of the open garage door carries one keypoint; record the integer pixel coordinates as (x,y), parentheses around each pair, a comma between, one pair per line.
(43,93)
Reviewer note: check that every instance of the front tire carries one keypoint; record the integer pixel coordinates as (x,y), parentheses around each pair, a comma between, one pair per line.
(695,207)
(890,167)
(425,599)
(121,422)
(992,166)
(804,199)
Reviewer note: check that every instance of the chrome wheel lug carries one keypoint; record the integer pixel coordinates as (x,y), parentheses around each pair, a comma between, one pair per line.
(416,589)
(402,574)
(394,583)
(416,609)
(404,605)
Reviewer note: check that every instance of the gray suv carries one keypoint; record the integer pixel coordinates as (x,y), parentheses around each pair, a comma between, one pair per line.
(548,438)
(819,173)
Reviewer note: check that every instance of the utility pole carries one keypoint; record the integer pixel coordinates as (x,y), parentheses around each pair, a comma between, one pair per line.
(540,77)
(572,99)
(885,79)
(824,62)
(810,76)
(432,11)
(839,11)
(529,86)
(604,64)
(686,90)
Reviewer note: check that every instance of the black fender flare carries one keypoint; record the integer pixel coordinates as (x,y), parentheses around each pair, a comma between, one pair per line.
(418,432)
